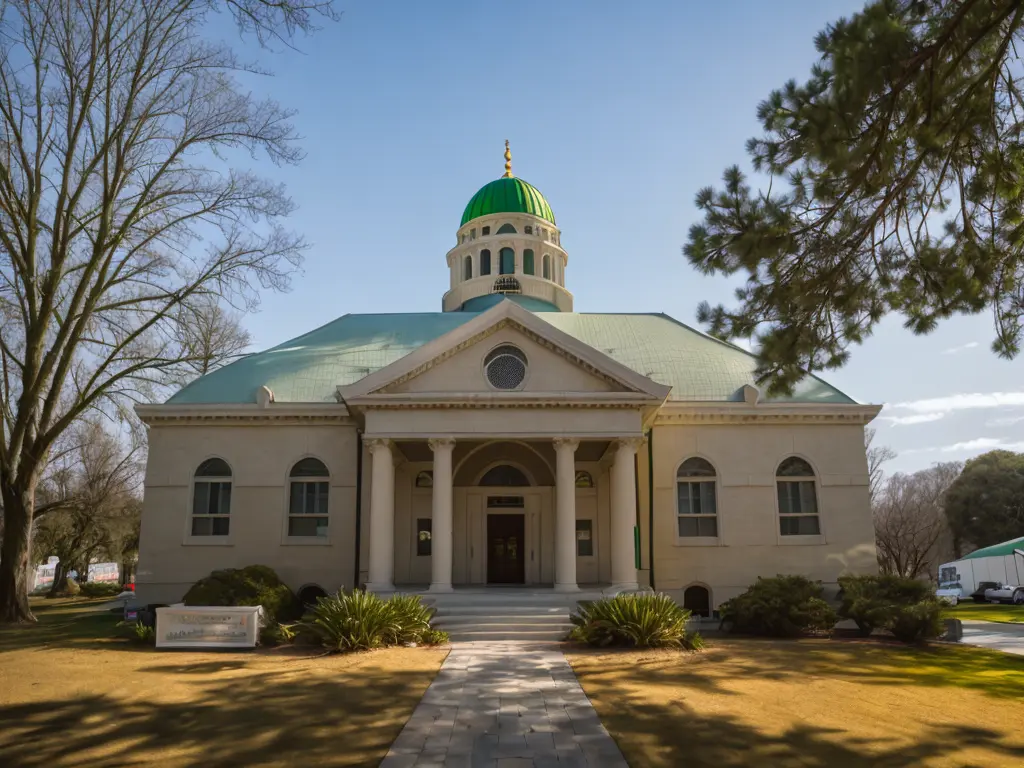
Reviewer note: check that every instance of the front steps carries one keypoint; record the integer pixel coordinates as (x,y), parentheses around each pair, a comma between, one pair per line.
(506,614)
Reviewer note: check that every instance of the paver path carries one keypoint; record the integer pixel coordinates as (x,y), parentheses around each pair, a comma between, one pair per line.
(999,637)
(504,704)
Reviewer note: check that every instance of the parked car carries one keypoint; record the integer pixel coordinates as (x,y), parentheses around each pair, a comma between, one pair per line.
(994,592)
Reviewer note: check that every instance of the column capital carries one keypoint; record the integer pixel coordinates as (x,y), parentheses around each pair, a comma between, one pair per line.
(441,443)
(376,443)
(631,444)
(566,442)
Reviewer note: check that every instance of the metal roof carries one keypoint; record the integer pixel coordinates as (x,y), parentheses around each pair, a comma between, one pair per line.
(507,195)
(997,550)
(308,369)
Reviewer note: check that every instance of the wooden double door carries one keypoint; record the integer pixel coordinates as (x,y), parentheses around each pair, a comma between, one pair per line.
(506,548)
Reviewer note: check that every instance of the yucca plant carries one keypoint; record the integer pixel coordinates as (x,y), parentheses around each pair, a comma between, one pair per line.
(359,621)
(639,621)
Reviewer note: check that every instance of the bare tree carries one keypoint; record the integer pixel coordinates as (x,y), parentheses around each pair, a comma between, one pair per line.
(120,213)
(877,456)
(910,521)
(211,335)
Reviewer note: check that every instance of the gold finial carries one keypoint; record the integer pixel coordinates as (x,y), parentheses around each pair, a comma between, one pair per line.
(508,161)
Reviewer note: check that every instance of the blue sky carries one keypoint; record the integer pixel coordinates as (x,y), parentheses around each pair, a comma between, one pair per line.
(618,113)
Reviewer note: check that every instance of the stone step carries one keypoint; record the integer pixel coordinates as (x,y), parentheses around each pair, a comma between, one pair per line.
(510,610)
(488,622)
(496,635)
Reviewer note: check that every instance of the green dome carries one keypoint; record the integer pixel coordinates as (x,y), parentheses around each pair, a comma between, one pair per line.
(508,195)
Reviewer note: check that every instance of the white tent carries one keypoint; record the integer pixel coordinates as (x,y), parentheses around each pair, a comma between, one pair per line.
(1000,562)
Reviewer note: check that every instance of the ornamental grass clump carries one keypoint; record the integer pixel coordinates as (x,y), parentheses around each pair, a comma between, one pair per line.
(635,621)
(361,621)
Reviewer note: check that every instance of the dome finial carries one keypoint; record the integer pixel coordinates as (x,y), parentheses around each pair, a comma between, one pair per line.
(508,161)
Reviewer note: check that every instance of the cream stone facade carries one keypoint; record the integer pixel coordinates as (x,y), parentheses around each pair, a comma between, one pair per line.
(506,440)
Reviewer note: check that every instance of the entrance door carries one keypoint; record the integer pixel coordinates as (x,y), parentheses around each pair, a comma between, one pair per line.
(506,563)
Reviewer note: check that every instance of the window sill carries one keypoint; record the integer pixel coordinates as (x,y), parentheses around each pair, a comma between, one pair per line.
(698,541)
(305,541)
(208,541)
(797,541)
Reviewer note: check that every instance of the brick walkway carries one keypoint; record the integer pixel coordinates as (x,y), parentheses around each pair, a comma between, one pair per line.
(494,705)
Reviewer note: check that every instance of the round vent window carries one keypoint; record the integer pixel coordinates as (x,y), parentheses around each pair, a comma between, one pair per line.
(505,367)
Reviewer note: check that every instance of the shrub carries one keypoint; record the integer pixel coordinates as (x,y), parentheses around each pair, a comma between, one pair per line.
(359,621)
(637,621)
(783,606)
(276,633)
(100,589)
(252,585)
(138,632)
(435,637)
(872,601)
(917,622)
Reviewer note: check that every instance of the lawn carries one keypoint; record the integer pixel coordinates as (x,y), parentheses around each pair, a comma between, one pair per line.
(71,696)
(1004,614)
(809,704)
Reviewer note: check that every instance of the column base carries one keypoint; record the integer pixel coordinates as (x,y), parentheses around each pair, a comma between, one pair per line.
(441,588)
(620,587)
(567,588)
(379,586)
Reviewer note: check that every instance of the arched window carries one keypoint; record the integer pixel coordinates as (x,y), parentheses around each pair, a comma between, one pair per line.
(695,494)
(697,600)
(528,261)
(506,229)
(425,479)
(310,594)
(504,474)
(468,268)
(507,261)
(485,262)
(798,498)
(211,499)
(547,267)
(307,502)
(584,479)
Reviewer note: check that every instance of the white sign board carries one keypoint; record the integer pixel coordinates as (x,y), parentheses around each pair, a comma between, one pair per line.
(208,626)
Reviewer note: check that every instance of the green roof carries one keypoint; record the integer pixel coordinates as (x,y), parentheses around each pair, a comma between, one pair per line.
(308,369)
(998,550)
(507,195)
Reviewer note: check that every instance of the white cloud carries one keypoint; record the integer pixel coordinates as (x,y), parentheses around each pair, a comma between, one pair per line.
(961,348)
(962,402)
(916,418)
(1007,421)
(977,445)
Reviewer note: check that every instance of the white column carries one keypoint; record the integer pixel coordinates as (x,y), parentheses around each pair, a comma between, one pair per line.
(382,517)
(624,515)
(565,515)
(441,528)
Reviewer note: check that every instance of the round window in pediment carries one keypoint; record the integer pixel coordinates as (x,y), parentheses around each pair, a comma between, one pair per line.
(505,367)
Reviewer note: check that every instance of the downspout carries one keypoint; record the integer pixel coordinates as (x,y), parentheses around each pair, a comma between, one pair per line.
(359,503)
(650,504)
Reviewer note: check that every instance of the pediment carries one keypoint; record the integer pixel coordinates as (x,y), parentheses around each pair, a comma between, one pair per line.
(556,365)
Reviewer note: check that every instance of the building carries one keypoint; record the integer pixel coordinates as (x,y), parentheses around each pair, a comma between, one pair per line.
(505,440)
(1002,563)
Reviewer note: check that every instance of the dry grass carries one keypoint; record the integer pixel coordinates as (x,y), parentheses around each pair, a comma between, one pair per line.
(70,696)
(809,704)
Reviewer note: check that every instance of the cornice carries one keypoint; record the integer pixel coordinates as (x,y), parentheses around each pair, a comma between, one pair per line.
(681,413)
(240,414)
(499,400)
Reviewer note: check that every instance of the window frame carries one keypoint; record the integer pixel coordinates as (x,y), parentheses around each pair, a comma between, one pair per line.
(288,538)
(798,538)
(210,539)
(715,482)
(504,253)
(467,268)
(429,540)
(484,262)
(529,262)
(546,267)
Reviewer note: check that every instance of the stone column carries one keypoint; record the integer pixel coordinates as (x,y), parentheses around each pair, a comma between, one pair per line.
(441,528)
(623,515)
(565,515)
(382,517)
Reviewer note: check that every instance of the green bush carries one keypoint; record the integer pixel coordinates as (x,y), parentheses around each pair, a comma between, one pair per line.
(917,622)
(359,621)
(636,621)
(252,585)
(100,589)
(137,632)
(783,606)
(435,637)
(873,601)
(276,633)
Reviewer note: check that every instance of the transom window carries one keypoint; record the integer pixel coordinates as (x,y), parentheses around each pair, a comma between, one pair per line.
(506,229)
(798,499)
(425,479)
(307,501)
(505,474)
(211,499)
(505,367)
(584,479)
(697,503)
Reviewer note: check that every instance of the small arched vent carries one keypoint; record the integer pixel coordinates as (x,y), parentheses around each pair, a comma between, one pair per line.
(506,284)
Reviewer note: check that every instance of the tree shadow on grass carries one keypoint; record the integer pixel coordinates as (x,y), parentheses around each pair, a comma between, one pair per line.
(263,719)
